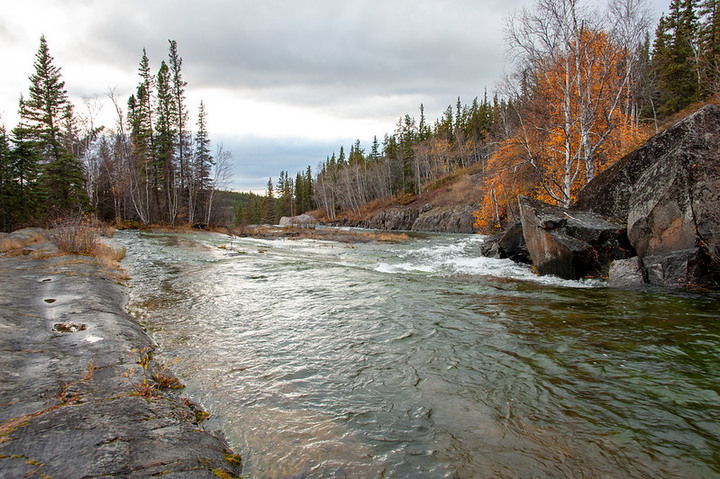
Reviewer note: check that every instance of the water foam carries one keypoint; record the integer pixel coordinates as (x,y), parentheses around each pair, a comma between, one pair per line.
(454,257)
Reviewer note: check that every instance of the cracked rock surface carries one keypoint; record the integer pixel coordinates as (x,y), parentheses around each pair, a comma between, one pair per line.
(67,408)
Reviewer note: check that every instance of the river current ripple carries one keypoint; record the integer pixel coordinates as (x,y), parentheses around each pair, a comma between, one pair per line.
(424,360)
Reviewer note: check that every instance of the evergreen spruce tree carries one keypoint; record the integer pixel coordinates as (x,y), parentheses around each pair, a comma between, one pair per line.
(146,90)
(24,170)
(308,201)
(374,156)
(7,183)
(424,131)
(181,118)
(165,133)
(300,192)
(45,112)
(709,41)
(203,158)
(676,59)
(268,205)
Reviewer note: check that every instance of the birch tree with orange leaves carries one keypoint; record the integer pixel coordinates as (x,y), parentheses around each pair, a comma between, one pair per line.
(573,84)
(571,93)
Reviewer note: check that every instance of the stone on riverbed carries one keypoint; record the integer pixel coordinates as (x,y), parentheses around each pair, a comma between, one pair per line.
(301,221)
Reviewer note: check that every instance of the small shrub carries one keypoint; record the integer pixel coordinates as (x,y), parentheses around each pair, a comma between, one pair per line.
(82,236)
(164,378)
(75,236)
(233,459)
(223,474)
(200,413)
(155,377)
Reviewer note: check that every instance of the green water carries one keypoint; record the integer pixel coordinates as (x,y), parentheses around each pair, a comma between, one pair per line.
(425,360)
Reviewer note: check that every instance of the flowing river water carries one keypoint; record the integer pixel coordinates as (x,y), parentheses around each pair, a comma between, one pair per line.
(424,360)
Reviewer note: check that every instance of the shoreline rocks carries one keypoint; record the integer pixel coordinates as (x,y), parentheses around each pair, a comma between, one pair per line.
(300,221)
(651,218)
(74,402)
(571,246)
(435,219)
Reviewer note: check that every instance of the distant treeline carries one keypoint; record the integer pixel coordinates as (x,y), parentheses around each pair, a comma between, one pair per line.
(288,197)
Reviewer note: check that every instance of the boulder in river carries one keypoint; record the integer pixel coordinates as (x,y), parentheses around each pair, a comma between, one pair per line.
(509,244)
(626,273)
(571,246)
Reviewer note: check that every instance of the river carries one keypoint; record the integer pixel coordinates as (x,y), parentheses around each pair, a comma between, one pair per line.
(425,360)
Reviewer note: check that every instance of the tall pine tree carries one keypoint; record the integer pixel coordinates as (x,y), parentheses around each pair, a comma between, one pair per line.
(46,113)
(165,134)
(709,42)
(676,58)
(181,118)
(7,183)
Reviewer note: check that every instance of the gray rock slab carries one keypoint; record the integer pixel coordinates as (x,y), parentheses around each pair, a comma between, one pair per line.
(571,244)
(66,407)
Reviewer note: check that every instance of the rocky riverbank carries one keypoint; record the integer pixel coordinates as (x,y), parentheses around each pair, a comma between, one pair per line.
(80,394)
(651,218)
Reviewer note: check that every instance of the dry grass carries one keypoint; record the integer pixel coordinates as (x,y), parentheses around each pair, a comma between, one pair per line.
(82,236)
(75,236)
(9,243)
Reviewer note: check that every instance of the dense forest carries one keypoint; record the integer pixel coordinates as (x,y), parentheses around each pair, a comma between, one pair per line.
(584,88)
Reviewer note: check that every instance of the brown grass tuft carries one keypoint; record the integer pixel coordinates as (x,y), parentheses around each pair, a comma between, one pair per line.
(75,236)
(82,236)
(8,242)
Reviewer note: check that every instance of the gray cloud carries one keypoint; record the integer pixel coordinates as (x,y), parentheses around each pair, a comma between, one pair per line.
(317,52)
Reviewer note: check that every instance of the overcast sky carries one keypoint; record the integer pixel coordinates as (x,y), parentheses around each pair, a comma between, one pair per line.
(285,83)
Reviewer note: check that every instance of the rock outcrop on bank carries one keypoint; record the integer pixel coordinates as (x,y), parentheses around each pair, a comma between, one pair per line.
(299,221)
(429,218)
(651,218)
(74,402)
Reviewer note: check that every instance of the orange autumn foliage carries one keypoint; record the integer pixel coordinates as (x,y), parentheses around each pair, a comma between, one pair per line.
(571,127)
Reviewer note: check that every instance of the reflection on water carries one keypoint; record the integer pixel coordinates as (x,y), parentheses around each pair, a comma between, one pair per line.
(425,360)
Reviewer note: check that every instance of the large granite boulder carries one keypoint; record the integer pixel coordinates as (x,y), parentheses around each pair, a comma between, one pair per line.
(300,221)
(510,244)
(571,245)
(668,194)
(626,273)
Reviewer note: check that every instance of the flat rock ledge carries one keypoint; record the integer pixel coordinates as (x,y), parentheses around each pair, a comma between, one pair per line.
(67,408)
